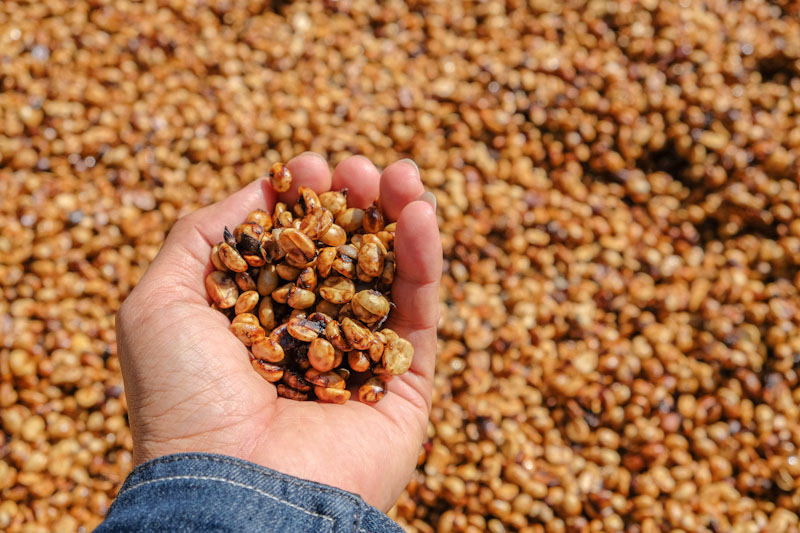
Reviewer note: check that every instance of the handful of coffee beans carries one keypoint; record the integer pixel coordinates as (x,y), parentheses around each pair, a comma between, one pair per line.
(307,289)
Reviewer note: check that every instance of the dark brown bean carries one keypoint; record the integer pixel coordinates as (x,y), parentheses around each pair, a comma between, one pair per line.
(373,390)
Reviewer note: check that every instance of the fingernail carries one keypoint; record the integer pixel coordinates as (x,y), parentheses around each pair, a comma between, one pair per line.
(410,162)
(429,198)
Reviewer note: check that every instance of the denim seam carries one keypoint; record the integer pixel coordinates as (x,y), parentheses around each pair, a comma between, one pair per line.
(235,484)
(243,464)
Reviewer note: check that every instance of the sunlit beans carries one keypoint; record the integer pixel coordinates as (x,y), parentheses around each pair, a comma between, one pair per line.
(280,177)
(267,370)
(372,390)
(370,306)
(397,356)
(337,290)
(246,302)
(231,258)
(222,289)
(268,349)
(291,277)
(350,219)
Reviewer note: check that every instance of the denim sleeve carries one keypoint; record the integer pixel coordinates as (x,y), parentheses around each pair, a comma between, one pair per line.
(205,492)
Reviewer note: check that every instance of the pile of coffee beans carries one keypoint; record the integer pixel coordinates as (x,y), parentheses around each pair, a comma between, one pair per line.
(308,289)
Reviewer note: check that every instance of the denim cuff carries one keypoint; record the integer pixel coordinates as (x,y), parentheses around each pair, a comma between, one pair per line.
(206,492)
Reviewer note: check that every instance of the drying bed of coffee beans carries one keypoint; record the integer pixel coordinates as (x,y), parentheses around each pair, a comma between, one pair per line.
(617,188)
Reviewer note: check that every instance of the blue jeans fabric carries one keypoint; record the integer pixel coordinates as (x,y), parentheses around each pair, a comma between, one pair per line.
(206,492)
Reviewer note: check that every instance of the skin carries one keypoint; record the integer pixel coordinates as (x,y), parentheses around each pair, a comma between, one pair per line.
(188,379)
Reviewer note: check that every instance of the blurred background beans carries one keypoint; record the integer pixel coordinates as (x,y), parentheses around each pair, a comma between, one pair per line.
(617,191)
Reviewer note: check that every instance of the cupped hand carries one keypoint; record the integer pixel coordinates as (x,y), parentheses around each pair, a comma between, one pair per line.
(188,380)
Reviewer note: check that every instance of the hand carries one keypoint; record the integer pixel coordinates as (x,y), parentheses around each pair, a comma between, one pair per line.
(188,380)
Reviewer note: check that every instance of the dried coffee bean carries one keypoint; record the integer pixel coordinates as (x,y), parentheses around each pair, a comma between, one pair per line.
(280,177)
(397,356)
(267,280)
(247,329)
(344,265)
(296,381)
(362,276)
(386,238)
(266,313)
(271,372)
(320,320)
(260,217)
(281,294)
(286,220)
(231,258)
(334,334)
(245,281)
(377,346)
(250,229)
(269,244)
(390,335)
(282,336)
(321,354)
(222,289)
(357,335)
(325,260)
(325,378)
(287,271)
(300,249)
(307,279)
(358,361)
(300,298)
(298,313)
(246,302)
(335,236)
(317,223)
(345,311)
(268,349)
(303,329)
(332,395)
(373,219)
(370,306)
(350,219)
(327,308)
(370,238)
(308,201)
(372,390)
(290,393)
(387,275)
(215,259)
(334,201)
(337,290)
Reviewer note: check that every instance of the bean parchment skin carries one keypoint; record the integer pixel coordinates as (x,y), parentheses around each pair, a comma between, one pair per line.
(308,288)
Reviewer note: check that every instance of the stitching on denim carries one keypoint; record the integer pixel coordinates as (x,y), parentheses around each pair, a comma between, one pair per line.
(243,464)
(235,484)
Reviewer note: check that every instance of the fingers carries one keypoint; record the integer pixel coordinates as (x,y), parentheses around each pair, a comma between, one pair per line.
(309,170)
(184,258)
(360,177)
(415,292)
(181,264)
(400,184)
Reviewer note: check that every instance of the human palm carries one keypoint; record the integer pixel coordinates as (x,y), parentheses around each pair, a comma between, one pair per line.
(188,380)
